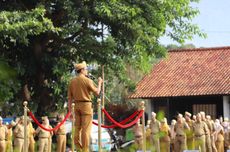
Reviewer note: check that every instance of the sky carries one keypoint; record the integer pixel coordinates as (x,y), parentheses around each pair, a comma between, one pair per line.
(214,20)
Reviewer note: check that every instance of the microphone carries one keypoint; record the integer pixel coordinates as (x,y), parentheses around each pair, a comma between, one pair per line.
(90,76)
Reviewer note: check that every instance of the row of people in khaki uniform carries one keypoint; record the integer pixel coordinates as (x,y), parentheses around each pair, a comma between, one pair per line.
(200,133)
(7,133)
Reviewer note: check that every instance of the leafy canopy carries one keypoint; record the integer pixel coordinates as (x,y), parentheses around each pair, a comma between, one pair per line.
(42,39)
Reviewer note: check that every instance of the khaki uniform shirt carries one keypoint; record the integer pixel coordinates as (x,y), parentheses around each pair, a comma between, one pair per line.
(3,132)
(155,126)
(80,88)
(137,129)
(61,130)
(19,131)
(189,133)
(43,133)
(210,126)
(180,128)
(200,128)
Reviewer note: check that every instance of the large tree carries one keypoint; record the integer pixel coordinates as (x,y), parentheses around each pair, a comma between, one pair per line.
(41,40)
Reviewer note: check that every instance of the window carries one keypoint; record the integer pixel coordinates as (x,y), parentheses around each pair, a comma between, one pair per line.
(209,109)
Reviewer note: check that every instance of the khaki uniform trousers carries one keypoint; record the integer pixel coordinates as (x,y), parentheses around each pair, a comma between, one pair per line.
(9,146)
(190,143)
(208,143)
(156,142)
(220,143)
(83,125)
(61,143)
(165,144)
(50,144)
(43,144)
(31,144)
(139,142)
(200,143)
(180,143)
(18,144)
(2,145)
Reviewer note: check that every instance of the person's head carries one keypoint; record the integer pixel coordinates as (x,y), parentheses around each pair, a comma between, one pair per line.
(12,124)
(164,121)
(202,113)
(173,122)
(198,117)
(81,68)
(187,115)
(45,120)
(61,117)
(179,118)
(194,117)
(153,115)
(208,117)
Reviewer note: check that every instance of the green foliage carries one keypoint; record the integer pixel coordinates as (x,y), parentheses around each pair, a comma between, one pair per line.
(17,26)
(8,83)
(42,40)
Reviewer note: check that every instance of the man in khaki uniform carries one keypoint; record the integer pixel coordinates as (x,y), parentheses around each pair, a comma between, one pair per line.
(189,133)
(200,129)
(3,135)
(226,125)
(31,132)
(43,135)
(19,135)
(79,92)
(165,136)
(61,136)
(9,145)
(155,129)
(208,135)
(180,128)
(137,130)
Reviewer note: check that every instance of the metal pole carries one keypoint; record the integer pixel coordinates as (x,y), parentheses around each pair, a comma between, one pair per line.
(73,129)
(143,126)
(99,123)
(103,94)
(25,149)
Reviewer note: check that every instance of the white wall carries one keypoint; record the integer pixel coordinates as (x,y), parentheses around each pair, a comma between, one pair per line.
(148,108)
(226,106)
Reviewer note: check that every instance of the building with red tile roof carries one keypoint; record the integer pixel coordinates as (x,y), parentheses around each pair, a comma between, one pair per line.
(194,79)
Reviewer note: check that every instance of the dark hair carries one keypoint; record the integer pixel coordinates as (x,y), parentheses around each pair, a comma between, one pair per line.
(78,71)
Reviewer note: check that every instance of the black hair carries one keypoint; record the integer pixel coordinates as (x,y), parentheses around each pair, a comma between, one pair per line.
(78,71)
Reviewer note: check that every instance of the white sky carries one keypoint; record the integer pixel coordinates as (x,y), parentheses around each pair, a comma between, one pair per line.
(214,20)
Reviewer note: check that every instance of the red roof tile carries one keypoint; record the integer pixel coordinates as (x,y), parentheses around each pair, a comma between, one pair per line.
(188,72)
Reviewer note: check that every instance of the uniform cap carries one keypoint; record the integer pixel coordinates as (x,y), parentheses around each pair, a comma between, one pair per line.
(187,114)
(179,116)
(13,123)
(163,120)
(153,114)
(80,65)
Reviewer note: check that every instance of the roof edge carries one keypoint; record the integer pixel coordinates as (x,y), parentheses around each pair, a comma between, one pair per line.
(201,49)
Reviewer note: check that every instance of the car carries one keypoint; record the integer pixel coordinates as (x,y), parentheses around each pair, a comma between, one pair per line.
(8,120)
(105,137)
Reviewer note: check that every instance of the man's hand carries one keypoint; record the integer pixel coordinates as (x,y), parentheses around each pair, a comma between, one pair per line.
(100,80)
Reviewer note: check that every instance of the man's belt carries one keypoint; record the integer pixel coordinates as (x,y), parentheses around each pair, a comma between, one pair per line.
(180,135)
(43,137)
(60,134)
(154,133)
(82,101)
(20,137)
(199,135)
